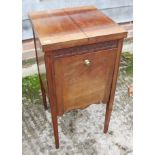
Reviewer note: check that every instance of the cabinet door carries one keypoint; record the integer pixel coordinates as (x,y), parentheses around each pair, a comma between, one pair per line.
(83,79)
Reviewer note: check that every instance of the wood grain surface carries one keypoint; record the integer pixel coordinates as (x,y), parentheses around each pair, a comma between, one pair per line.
(79,85)
(70,27)
(95,25)
(81,47)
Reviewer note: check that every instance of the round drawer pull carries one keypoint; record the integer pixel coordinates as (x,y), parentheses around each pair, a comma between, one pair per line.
(87,62)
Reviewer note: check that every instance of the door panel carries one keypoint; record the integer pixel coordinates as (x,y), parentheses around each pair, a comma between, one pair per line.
(83,79)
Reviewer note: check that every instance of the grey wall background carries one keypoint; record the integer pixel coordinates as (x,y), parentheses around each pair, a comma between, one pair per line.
(120,11)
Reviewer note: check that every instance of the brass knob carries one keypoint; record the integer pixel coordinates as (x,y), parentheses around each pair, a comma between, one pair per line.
(87,62)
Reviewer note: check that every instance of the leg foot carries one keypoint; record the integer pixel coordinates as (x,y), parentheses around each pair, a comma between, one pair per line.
(43,94)
(57,146)
(45,102)
(55,126)
(107,119)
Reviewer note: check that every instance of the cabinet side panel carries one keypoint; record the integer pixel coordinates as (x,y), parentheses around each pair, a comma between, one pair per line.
(41,63)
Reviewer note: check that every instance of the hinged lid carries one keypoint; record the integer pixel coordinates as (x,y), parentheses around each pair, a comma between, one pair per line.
(70,27)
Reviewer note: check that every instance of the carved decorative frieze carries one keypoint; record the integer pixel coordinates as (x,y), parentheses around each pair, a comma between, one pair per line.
(85,49)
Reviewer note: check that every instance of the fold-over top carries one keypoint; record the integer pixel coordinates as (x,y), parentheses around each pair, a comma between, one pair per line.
(70,27)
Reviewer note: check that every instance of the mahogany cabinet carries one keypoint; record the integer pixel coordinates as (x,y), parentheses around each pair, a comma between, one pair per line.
(78,55)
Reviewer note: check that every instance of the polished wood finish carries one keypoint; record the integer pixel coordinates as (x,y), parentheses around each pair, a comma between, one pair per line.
(82,85)
(78,54)
(41,72)
(96,25)
(56,30)
(72,27)
(113,87)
